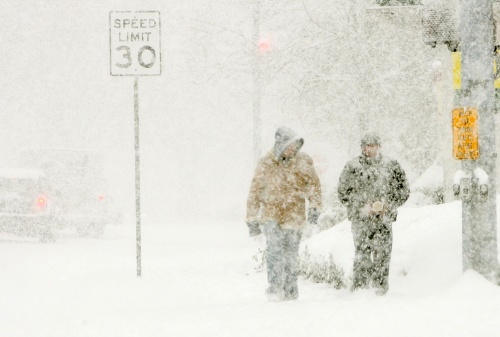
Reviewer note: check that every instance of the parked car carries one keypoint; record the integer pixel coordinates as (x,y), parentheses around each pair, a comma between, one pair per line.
(78,189)
(25,207)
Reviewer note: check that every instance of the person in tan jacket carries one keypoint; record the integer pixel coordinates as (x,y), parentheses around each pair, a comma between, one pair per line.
(284,184)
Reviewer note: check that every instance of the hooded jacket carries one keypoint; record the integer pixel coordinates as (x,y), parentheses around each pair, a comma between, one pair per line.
(366,180)
(281,186)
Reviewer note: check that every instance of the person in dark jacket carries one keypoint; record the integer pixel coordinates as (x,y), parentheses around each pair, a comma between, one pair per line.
(372,187)
(284,185)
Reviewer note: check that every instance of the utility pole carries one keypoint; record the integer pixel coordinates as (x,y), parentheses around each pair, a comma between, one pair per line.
(479,217)
(256,95)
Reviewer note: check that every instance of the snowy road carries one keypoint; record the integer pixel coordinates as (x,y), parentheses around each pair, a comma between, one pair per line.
(198,281)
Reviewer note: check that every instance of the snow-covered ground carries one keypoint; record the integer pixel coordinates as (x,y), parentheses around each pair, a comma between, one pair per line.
(198,280)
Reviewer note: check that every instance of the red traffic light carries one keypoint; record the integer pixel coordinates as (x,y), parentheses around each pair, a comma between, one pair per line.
(264,45)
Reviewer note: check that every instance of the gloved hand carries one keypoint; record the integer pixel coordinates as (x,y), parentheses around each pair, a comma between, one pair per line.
(259,239)
(253,228)
(378,208)
(313,216)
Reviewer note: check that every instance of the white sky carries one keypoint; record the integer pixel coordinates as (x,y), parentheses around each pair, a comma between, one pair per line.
(57,91)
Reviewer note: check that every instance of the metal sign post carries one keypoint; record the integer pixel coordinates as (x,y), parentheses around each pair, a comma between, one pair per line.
(135,50)
(137,178)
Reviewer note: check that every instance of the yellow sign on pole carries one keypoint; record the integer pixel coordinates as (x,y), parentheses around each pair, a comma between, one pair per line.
(496,69)
(465,134)
(456,58)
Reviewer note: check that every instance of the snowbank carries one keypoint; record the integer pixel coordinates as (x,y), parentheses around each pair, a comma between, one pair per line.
(431,178)
(427,253)
(198,281)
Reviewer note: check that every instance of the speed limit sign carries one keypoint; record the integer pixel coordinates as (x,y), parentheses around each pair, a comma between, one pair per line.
(135,47)
(135,50)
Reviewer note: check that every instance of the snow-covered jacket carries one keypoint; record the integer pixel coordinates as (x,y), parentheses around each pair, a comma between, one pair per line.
(366,180)
(281,186)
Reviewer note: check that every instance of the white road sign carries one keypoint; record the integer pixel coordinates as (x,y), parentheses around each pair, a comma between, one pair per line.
(134,41)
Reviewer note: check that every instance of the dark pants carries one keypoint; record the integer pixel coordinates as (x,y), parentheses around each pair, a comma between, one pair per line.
(282,257)
(373,246)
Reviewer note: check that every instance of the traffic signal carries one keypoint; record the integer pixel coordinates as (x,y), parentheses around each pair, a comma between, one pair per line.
(264,45)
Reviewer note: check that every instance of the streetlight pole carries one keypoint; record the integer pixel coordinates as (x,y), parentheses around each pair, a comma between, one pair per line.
(443,131)
(479,218)
(256,95)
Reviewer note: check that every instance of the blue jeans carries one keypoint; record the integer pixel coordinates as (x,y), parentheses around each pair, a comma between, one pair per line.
(282,257)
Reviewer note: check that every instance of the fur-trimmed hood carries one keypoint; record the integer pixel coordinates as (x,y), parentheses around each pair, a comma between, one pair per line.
(283,138)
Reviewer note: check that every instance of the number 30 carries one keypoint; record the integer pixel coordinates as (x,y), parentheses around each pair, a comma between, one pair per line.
(128,57)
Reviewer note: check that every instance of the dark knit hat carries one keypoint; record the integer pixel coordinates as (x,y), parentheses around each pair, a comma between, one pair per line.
(370,138)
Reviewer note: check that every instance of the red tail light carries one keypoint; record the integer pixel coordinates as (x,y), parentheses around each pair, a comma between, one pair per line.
(41,202)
